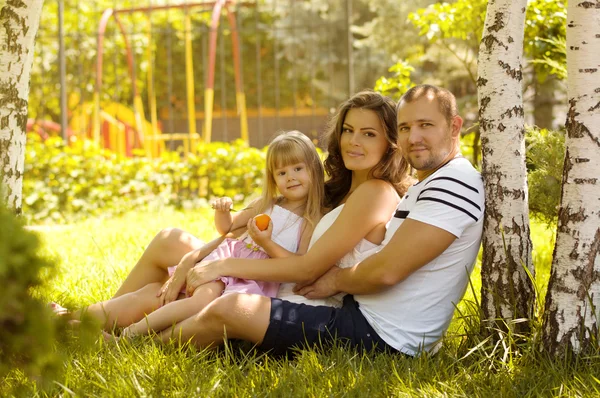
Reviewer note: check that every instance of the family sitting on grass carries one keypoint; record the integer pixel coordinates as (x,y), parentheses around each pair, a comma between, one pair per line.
(346,259)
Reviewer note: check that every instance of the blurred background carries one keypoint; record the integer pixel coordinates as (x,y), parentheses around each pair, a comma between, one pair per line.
(278,65)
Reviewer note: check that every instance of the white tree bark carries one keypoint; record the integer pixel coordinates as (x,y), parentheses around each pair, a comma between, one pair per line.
(507,291)
(19,21)
(573,298)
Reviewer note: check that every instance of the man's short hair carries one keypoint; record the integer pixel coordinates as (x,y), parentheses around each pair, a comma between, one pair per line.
(445,99)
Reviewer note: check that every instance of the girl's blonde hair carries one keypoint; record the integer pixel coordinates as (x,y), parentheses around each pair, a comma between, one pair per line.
(289,148)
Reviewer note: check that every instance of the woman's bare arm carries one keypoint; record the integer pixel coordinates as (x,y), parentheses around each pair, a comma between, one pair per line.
(358,217)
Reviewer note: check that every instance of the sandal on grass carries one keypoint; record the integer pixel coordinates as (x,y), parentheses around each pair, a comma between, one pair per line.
(58,309)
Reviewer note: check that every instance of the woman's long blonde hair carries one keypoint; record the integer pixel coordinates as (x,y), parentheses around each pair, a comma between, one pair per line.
(289,148)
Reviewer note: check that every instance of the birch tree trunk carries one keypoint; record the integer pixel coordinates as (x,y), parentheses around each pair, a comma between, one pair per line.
(573,298)
(507,291)
(19,21)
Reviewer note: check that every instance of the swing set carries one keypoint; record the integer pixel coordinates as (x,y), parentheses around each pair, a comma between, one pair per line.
(123,137)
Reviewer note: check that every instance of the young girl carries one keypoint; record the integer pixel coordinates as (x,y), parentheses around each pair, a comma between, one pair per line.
(292,196)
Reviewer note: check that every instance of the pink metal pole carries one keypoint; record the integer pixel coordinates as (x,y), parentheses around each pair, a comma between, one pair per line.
(101,28)
(130,63)
(214,31)
(240,97)
(236,49)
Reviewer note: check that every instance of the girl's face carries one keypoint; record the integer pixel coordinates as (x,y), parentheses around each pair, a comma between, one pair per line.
(293,181)
(363,141)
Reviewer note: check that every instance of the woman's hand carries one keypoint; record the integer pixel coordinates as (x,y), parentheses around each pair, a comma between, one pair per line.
(201,274)
(223,204)
(172,287)
(261,238)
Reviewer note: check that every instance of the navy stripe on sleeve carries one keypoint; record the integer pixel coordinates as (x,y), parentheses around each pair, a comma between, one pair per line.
(456,181)
(453,194)
(401,214)
(451,205)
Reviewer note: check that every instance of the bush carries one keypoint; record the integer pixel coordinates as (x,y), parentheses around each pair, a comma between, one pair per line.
(545,159)
(27,327)
(66,183)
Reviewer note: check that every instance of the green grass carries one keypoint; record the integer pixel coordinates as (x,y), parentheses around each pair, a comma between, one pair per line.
(94,256)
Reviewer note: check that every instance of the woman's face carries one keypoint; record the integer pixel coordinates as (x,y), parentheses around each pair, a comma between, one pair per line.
(362,142)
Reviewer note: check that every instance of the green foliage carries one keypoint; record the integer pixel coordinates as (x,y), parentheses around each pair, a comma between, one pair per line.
(460,24)
(396,85)
(470,147)
(456,27)
(545,159)
(545,37)
(27,328)
(462,20)
(65,183)
(554,60)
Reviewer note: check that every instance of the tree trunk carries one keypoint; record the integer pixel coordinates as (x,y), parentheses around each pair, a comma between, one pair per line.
(573,298)
(507,291)
(543,102)
(19,21)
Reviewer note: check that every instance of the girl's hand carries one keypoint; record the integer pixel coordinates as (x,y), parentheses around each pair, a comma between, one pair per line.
(222,204)
(261,238)
(201,274)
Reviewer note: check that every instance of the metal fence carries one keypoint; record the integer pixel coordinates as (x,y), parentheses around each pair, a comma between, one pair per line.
(296,64)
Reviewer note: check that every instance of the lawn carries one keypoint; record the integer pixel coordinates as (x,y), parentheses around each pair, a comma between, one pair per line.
(94,256)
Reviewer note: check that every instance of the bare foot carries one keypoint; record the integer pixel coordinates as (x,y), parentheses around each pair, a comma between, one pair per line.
(109,337)
(127,333)
(75,323)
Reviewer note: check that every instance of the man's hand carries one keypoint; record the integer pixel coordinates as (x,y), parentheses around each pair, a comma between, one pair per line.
(321,288)
(201,274)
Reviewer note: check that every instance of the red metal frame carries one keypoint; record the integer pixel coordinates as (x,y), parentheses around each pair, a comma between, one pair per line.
(217,7)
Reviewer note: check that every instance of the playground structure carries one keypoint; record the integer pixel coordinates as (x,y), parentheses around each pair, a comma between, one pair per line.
(122,137)
(129,84)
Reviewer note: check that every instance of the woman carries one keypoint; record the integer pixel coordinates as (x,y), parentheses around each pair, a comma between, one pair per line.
(365,167)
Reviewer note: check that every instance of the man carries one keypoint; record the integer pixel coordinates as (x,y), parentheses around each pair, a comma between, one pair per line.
(402,298)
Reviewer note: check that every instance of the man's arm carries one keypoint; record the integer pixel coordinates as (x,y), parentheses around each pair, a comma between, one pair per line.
(413,245)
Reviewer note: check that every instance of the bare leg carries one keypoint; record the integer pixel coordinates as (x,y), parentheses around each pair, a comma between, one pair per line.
(123,310)
(165,250)
(177,311)
(238,316)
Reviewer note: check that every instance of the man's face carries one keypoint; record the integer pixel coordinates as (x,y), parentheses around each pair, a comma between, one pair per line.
(426,139)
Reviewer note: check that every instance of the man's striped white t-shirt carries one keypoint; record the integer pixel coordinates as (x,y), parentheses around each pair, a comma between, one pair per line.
(413,315)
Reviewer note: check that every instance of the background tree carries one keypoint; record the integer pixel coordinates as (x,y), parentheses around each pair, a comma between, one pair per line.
(506,291)
(573,299)
(19,21)
(545,24)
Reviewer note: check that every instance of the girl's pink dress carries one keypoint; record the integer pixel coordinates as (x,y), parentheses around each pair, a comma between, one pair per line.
(286,233)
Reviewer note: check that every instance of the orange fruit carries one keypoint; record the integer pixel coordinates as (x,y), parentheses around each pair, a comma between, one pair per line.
(262,221)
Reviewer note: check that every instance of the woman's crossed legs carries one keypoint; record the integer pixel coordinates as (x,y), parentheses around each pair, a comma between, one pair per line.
(166,250)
